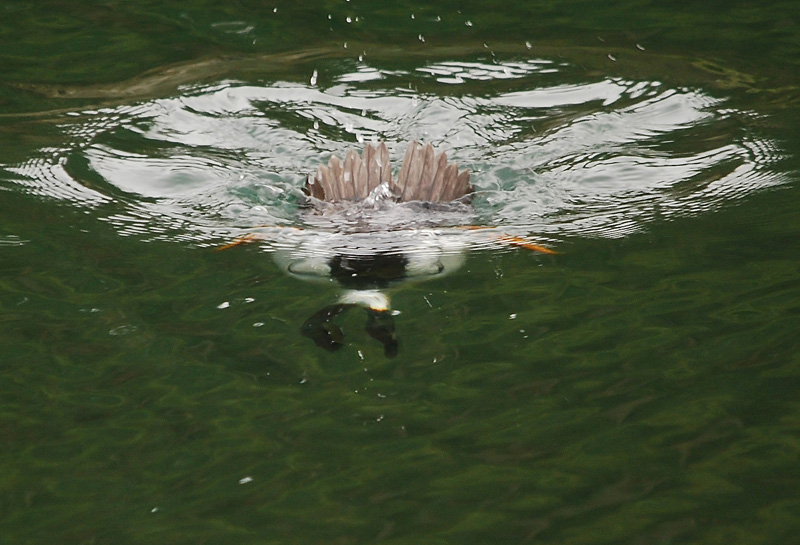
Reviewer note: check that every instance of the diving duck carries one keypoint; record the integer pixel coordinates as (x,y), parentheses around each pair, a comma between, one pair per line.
(368,231)
(360,195)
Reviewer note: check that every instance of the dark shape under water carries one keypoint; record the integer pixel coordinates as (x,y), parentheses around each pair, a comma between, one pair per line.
(326,334)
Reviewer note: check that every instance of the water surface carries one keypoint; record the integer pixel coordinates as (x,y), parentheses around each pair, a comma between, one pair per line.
(639,386)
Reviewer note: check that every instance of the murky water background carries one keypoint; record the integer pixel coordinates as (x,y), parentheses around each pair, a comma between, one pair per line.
(637,387)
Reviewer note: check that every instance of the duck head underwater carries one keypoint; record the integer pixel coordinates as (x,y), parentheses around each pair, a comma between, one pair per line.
(368,232)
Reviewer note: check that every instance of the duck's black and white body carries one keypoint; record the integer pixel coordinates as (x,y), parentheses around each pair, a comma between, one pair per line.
(371,231)
(367,231)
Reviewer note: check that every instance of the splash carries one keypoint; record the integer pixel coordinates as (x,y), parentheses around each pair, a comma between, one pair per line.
(551,157)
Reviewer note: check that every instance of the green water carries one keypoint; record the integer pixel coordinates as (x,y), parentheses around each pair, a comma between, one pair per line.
(638,387)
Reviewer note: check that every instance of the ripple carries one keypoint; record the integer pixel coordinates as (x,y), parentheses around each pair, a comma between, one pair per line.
(12,240)
(552,156)
(46,176)
(453,72)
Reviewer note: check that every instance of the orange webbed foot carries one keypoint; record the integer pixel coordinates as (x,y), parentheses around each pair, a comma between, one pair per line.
(523,243)
(245,239)
(512,240)
(273,232)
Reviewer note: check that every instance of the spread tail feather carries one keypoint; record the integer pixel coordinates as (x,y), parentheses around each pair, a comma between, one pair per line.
(424,176)
(429,177)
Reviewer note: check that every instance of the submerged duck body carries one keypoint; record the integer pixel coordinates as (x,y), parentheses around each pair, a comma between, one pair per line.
(367,231)
(372,230)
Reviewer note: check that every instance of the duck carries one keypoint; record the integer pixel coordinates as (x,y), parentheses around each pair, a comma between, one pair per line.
(368,231)
(355,192)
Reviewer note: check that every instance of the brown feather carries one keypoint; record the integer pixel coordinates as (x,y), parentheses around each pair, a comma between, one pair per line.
(335,167)
(437,184)
(369,157)
(449,182)
(361,180)
(462,185)
(325,180)
(317,190)
(385,165)
(426,176)
(414,172)
(313,187)
(348,179)
(402,178)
